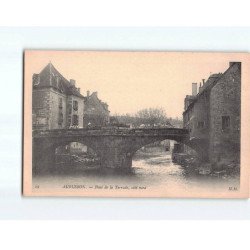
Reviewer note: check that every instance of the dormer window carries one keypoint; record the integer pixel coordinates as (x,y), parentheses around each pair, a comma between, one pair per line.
(57,81)
(61,87)
(36,79)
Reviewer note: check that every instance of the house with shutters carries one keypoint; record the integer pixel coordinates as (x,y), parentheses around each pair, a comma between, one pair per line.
(56,102)
(212,115)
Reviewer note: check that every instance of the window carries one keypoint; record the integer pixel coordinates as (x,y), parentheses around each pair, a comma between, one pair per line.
(225,122)
(36,79)
(201,124)
(57,81)
(75,120)
(60,103)
(70,108)
(60,119)
(75,105)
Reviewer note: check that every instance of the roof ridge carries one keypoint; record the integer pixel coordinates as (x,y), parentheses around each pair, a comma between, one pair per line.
(52,71)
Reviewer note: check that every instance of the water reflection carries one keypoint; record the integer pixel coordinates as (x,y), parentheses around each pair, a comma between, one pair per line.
(150,169)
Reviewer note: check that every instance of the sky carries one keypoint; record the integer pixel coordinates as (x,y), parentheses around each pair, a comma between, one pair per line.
(130,81)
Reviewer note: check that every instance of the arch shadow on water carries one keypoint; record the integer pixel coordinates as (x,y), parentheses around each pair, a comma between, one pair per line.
(78,159)
(75,158)
(151,165)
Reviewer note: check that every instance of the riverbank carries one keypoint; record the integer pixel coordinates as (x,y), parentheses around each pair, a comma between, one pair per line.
(156,171)
(223,168)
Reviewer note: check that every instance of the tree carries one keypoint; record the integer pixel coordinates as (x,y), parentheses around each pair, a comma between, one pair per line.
(152,116)
(148,117)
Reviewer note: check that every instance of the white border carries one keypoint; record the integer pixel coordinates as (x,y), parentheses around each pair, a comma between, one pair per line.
(123,235)
(125,13)
(12,43)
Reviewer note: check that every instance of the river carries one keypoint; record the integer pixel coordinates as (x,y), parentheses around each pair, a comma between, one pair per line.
(151,169)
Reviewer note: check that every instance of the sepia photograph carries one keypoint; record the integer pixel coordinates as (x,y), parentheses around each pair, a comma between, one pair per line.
(125,124)
(134,124)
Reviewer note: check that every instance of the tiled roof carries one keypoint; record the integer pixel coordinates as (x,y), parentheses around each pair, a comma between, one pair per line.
(95,99)
(210,82)
(208,85)
(50,77)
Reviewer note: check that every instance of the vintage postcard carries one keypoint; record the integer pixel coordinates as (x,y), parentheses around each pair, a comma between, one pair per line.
(136,124)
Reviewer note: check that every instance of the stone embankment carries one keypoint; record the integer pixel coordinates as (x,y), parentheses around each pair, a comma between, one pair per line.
(221,168)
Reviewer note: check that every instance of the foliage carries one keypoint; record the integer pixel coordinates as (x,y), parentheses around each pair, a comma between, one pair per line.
(152,116)
(148,117)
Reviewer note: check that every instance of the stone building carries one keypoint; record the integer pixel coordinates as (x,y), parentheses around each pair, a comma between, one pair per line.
(212,115)
(96,112)
(56,102)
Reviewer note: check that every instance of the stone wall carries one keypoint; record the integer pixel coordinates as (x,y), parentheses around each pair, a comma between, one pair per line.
(198,124)
(41,109)
(225,102)
(196,120)
(78,112)
(56,109)
(96,112)
(214,116)
(50,109)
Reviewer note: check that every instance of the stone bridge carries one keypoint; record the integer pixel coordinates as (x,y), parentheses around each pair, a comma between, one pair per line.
(114,146)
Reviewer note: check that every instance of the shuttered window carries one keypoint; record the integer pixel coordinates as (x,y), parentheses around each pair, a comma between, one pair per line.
(75,105)
(75,120)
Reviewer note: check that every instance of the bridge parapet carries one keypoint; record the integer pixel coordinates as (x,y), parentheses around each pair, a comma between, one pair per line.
(111,132)
(115,146)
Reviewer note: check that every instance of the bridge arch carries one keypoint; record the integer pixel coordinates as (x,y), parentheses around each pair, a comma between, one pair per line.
(44,152)
(115,147)
(145,143)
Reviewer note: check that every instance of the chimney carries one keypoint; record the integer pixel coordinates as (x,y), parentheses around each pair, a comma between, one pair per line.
(200,88)
(203,81)
(232,63)
(72,82)
(194,89)
(88,93)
